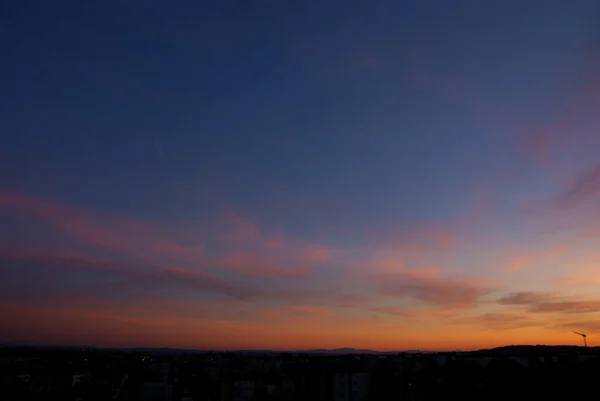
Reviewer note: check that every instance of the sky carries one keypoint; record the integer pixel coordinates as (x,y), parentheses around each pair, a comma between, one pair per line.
(281,175)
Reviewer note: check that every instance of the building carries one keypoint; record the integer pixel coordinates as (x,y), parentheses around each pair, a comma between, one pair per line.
(350,386)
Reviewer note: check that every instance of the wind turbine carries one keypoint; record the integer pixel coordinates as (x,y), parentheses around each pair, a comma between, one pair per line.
(584,336)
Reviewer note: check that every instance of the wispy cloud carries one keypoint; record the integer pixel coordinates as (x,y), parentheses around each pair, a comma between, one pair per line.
(587,326)
(583,186)
(294,313)
(545,141)
(504,321)
(581,278)
(430,286)
(244,248)
(132,276)
(528,259)
(250,274)
(309,310)
(535,302)
(410,313)
(525,298)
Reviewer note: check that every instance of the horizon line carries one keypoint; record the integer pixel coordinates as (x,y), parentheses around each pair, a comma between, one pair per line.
(9,345)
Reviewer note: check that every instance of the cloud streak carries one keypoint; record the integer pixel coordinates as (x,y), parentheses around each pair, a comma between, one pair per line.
(585,185)
(430,287)
(244,248)
(535,302)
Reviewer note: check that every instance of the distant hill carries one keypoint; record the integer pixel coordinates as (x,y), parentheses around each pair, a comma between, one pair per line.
(509,349)
(178,351)
(339,351)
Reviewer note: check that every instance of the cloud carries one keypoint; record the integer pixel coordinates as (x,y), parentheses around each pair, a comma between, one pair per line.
(240,228)
(271,315)
(574,306)
(141,239)
(407,312)
(428,286)
(263,265)
(294,313)
(130,277)
(584,185)
(79,324)
(502,317)
(309,310)
(524,298)
(498,321)
(545,141)
(505,321)
(39,279)
(551,303)
(531,258)
(231,243)
(415,239)
(587,326)
(519,263)
(540,143)
(579,279)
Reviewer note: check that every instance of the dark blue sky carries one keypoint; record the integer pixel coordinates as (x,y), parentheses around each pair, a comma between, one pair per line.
(346,122)
(364,109)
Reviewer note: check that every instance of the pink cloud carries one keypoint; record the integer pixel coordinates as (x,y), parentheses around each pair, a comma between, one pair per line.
(519,263)
(239,228)
(318,253)
(245,249)
(542,141)
(428,286)
(93,228)
(263,265)
(416,240)
(519,260)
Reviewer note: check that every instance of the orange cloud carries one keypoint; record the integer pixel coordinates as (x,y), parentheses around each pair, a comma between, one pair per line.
(414,313)
(247,279)
(582,278)
(525,298)
(519,263)
(519,260)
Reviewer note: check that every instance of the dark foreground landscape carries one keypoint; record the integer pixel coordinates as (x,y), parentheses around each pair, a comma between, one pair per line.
(515,373)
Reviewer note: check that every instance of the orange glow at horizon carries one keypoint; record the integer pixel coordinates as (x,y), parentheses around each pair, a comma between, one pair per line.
(269,295)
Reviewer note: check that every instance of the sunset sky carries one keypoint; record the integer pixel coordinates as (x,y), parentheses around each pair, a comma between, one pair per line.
(287,175)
